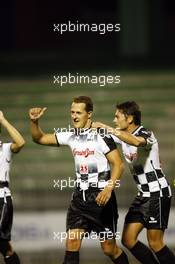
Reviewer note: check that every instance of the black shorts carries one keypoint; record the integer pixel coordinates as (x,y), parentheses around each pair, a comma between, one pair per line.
(88,215)
(152,212)
(6,218)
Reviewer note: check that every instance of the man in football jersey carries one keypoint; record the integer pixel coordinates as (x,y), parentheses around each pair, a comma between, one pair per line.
(6,208)
(93,206)
(150,209)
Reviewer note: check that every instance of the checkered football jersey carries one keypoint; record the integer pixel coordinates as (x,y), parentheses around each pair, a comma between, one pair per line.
(89,149)
(144,165)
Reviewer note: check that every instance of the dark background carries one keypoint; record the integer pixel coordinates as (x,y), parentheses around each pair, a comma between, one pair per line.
(29,46)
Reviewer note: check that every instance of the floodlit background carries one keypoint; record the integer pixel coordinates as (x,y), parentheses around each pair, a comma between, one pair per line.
(142,53)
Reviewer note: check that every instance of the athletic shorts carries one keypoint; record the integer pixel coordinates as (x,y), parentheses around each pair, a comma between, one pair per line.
(6,218)
(88,215)
(152,212)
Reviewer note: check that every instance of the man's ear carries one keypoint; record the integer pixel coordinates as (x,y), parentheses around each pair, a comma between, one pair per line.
(130,119)
(89,114)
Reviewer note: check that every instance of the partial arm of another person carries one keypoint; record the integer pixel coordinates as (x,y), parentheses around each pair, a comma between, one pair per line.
(116,171)
(38,135)
(122,135)
(18,140)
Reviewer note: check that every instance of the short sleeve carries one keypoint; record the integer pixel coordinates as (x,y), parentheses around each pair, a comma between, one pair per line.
(7,150)
(148,136)
(62,138)
(116,139)
(107,144)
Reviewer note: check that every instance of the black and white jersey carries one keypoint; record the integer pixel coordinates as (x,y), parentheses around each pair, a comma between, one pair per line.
(145,165)
(5,162)
(89,149)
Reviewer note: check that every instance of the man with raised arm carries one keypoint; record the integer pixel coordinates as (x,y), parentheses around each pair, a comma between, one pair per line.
(6,207)
(93,206)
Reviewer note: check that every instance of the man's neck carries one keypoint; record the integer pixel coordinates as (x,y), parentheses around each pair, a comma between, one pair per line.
(88,124)
(132,128)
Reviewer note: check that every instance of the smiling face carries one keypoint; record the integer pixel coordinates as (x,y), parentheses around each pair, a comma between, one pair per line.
(122,121)
(80,118)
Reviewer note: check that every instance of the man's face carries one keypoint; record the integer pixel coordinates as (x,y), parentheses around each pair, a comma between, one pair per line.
(121,121)
(79,115)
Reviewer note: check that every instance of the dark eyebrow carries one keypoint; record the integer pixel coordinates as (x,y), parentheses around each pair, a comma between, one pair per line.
(78,112)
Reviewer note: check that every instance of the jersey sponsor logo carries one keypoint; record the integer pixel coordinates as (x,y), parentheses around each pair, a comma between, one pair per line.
(152,220)
(84,153)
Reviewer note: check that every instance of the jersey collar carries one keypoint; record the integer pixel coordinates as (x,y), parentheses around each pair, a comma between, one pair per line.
(136,130)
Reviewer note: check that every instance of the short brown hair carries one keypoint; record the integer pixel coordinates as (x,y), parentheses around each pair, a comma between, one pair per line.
(86,100)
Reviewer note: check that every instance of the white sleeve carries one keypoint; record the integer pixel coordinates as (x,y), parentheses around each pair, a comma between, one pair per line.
(63,138)
(116,139)
(106,144)
(150,141)
(7,150)
(148,136)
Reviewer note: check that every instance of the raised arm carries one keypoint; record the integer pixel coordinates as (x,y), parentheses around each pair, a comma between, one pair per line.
(18,140)
(38,135)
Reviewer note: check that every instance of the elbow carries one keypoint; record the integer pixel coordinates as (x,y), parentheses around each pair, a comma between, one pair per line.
(140,144)
(36,140)
(37,137)
(21,144)
(16,147)
(137,144)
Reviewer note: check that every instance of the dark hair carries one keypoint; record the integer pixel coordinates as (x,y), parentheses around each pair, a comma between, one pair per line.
(131,108)
(86,100)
